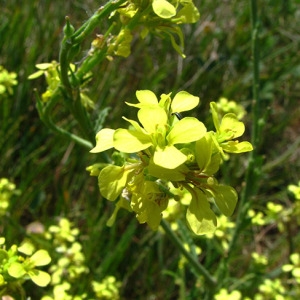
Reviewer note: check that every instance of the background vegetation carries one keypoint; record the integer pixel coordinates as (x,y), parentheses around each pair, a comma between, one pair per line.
(49,171)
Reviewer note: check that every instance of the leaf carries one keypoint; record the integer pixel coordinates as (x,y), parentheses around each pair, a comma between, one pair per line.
(40,278)
(130,141)
(184,101)
(200,217)
(104,140)
(122,203)
(163,9)
(149,204)
(112,180)
(177,47)
(225,198)
(186,130)
(169,157)
(41,258)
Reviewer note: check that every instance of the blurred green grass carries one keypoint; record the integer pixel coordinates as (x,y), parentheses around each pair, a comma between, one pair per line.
(50,171)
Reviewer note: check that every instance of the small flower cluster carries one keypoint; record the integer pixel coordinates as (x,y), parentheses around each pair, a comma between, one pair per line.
(7,81)
(164,148)
(15,268)
(71,262)
(7,190)
(158,16)
(51,73)
(107,289)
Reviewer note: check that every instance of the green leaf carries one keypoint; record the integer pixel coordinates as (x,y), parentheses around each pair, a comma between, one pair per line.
(149,203)
(40,278)
(184,101)
(16,270)
(41,258)
(169,157)
(149,213)
(163,9)
(130,141)
(112,179)
(122,203)
(104,140)
(201,219)
(225,198)
(177,47)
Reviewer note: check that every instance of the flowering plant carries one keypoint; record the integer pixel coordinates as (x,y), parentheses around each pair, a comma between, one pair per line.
(162,149)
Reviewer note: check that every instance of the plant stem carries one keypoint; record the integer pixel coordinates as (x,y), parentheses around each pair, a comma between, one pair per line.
(45,115)
(254,167)
(189,257)
(93,22)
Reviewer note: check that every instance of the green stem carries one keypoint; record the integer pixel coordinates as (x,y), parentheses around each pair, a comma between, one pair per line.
(45,113)
(254,167)
(93,22)
(189,257)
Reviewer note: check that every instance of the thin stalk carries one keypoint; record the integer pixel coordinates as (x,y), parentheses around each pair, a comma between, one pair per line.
(189,257)
(254,167)
(93,22)
(45,113)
